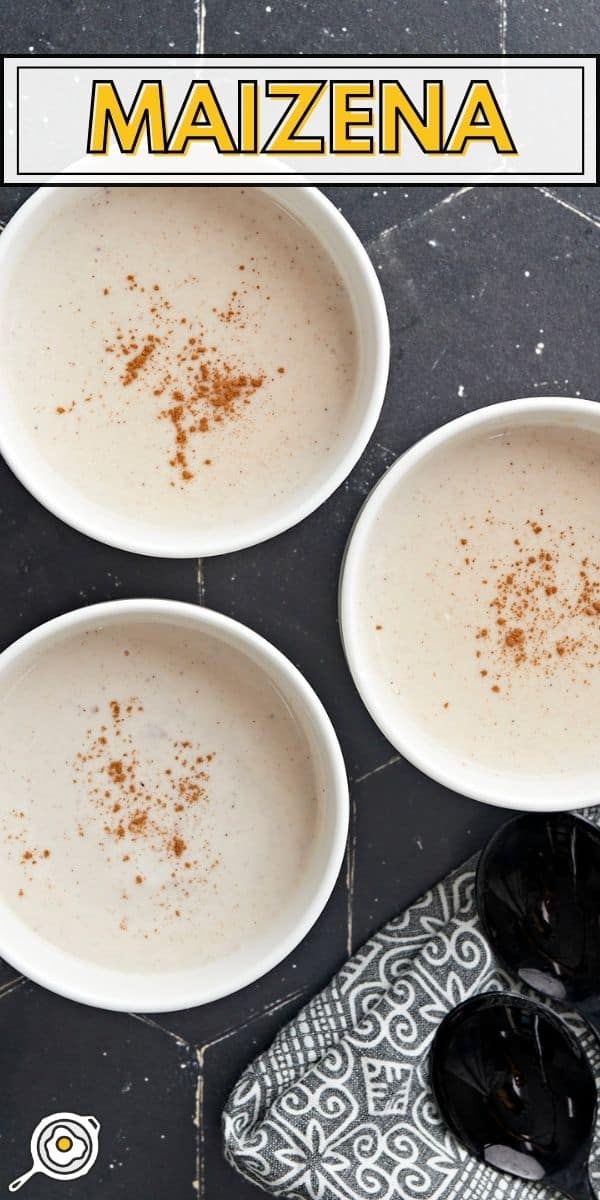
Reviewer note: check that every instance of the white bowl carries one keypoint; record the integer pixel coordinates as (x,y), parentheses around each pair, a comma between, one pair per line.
(411,740)
(122,990)
(125,531)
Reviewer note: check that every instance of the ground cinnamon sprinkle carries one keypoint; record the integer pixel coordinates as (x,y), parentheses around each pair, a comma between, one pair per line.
(150,813)
(168,355)
(544,602)
(32,857)
(139,360)
(115,769)
(222,389)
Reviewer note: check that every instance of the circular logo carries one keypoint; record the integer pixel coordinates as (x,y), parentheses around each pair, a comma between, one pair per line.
(63,1146)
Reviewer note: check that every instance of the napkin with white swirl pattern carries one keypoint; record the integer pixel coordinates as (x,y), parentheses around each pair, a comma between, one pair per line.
(340,1107)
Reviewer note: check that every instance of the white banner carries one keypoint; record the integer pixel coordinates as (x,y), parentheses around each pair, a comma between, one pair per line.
(331,119)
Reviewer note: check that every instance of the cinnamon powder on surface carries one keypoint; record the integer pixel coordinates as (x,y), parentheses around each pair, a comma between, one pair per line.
(167,357)
(137,811)
(544,605)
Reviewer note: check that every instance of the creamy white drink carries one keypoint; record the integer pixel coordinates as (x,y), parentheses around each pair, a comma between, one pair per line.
(183,355)
(159,804)
(479,602)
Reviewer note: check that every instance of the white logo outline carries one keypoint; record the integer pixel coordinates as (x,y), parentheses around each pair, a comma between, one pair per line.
(79,1134)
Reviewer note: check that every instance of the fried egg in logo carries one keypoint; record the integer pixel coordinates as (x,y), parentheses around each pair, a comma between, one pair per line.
(63,1146)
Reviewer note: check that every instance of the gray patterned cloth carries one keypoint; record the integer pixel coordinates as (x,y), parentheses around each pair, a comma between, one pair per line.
(340,1108)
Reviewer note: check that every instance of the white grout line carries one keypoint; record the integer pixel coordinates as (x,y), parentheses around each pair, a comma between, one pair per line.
(144,1020)
(200,12)
(414,220)
(200,580)
(198,1183)
(503,25)
(440,356)
(572,208)
(382,767)
(11,986)
(256,1016)
(350,874)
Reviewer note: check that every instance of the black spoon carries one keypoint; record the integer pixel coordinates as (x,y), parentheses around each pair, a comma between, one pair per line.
(515,1087)
(538,896)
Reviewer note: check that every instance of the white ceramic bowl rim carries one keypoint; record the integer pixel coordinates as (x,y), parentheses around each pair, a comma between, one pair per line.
(351,260)
(89,983)
(435,762)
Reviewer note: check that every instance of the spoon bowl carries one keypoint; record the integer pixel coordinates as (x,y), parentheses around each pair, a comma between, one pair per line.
(538,896)
(514,1085)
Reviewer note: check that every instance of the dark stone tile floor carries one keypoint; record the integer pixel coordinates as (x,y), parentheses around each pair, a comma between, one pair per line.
(476,280)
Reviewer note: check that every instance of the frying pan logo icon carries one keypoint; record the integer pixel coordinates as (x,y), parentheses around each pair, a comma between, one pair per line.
(63,1146)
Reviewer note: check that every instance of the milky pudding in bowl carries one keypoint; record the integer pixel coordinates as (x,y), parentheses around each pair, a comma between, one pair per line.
(173,807)
(186,370)
(470,604)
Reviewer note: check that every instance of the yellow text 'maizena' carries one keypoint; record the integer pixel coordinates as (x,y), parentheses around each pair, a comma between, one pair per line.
(361,118)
